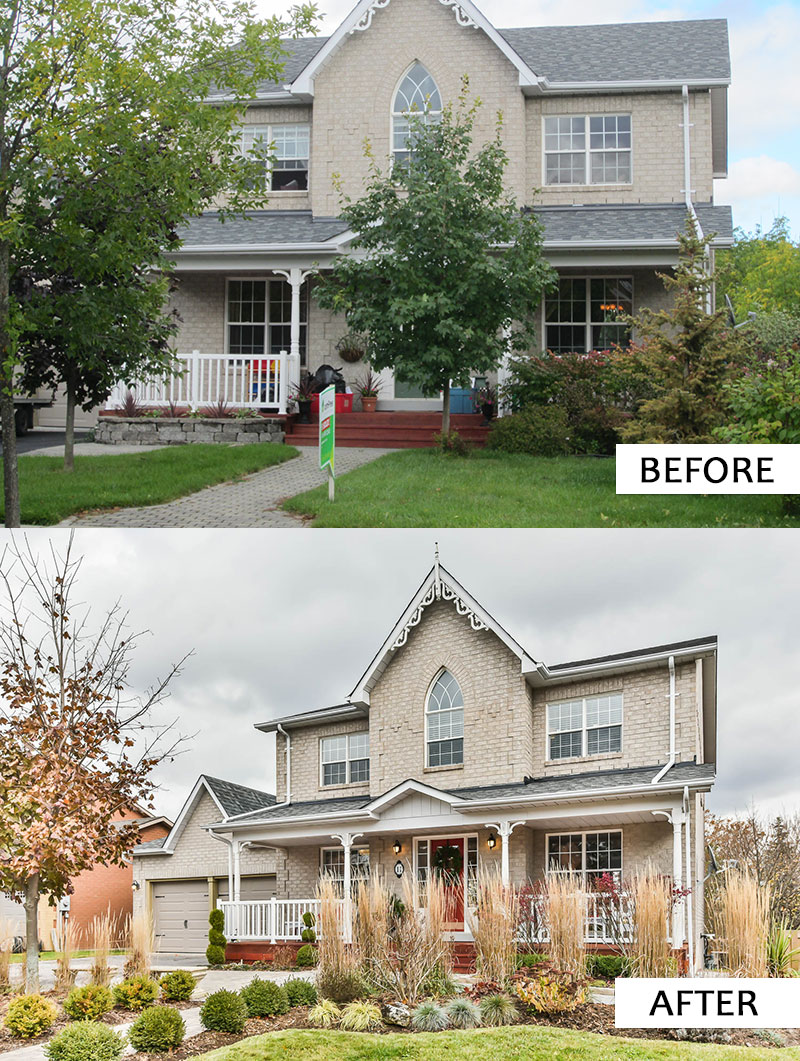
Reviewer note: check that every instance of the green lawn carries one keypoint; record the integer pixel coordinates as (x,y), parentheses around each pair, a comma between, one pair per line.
(423,488)
(49,955)
(509,1044)
(48,494)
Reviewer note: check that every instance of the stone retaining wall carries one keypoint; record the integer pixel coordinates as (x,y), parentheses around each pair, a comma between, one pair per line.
(161,431)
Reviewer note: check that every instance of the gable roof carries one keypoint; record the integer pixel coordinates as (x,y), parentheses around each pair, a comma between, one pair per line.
(548,58)
(230,799)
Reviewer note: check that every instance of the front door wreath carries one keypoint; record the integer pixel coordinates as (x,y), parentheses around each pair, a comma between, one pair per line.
(448,861)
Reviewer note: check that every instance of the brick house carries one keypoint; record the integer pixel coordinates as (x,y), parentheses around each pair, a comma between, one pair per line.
(613,132)
(456,737)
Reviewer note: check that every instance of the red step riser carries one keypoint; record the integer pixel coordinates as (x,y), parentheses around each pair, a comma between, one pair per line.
(361,444)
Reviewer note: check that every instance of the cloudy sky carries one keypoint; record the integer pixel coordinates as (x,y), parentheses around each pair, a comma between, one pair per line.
(764,176)
(282,622)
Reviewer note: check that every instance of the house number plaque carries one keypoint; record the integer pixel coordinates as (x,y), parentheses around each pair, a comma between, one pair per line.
(399,869)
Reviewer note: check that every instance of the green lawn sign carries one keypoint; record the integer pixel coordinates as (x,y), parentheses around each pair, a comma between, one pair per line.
(327,434)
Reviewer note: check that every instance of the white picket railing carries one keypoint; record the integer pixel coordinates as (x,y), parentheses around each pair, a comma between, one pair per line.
(204,380)
(274,919)
(268,919)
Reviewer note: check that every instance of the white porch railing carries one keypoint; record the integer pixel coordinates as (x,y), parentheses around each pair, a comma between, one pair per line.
(203,380)
(274,919)
(268,919)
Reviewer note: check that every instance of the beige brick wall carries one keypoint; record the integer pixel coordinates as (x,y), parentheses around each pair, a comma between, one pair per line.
(354,92)
(645,720)
(644,845)
(306,762)
(197,854)
(656,122)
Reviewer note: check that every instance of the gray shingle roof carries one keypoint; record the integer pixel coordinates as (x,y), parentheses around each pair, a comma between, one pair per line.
(238,799)
(629,222)
(299,54)
(149,845)
(591,782)
(635,51)
(695,642)
(596,780)
(260,227)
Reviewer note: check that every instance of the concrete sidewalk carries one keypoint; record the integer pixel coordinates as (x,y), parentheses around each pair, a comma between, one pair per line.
(250,502)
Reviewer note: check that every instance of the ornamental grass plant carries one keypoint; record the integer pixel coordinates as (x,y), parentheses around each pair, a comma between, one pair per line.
(338,963)
(652,905)
(103,931)
(140,945)
(494,927)
(6,947)
(744,924)
(565,913)
(65,974)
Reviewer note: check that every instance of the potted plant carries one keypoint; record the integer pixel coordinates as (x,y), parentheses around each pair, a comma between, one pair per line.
(486,401)
(302,394)
(369,387)
(351,347)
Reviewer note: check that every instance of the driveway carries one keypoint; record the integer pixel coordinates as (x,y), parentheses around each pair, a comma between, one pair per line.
(40,438)
(250,502)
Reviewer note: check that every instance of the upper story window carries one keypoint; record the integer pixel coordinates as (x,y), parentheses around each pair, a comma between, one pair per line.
(590,726)
(345,759)
(285,150)
(584,314)
(587,149)
(260,315)
(417,95)
(444,722)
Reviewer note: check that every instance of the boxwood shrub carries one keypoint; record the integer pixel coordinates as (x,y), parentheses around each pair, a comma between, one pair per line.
(306,956)
(300,992)
(30,1015)
(177,985)
(85,1041)
(135,993)
(158,1029)
(264,998)
(224,1011)
(89,1002)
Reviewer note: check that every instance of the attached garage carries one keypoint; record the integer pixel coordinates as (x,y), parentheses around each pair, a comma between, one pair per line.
(181,908)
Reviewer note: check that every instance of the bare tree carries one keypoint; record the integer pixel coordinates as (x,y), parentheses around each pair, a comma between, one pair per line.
(77,743)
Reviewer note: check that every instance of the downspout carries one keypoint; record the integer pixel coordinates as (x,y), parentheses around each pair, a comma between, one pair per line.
(689,879)
(687,176)
(288,739)
(671,761)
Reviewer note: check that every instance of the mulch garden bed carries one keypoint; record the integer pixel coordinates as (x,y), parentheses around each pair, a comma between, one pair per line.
(205,1041)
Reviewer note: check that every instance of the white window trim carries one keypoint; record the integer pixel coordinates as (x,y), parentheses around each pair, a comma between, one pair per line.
(448,836)
(588,323)
(269,126)
(404,114)
(583,834)
(588,152)
(338,847)
(263,278)
(585,753)
(442,766)
(348,783)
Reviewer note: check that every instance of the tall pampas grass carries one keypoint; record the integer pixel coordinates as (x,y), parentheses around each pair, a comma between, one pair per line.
(103,930)
(494,926)
(68,937)
(652,906)
(371,929)
(141,944)
(338,962)
(565,906)
(6,947)
(744,923)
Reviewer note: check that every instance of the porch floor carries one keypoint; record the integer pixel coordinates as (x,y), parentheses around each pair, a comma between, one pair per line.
(390,430)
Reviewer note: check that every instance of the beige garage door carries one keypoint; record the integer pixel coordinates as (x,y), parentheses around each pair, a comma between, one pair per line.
(180,916)
(253,888)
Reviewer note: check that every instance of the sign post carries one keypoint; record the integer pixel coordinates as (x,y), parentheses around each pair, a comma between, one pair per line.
(327,434)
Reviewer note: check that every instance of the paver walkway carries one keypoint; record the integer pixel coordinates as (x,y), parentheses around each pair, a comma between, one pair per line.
(251,502)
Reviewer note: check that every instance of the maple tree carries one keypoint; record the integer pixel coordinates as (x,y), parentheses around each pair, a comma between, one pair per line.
(78,743)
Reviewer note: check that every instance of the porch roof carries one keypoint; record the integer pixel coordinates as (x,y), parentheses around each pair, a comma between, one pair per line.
(268,228)
(596,784)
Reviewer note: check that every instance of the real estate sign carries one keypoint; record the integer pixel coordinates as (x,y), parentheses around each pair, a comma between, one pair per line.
(327,429)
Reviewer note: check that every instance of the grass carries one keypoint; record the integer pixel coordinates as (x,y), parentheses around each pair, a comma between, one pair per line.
(48,494)
(424,488)
(510,1044)
(51,955)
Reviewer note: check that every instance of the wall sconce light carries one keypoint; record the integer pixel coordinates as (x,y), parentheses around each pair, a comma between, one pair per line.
(396,847)
(491,843)
(136,886)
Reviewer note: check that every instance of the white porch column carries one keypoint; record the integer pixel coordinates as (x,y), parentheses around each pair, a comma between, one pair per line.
(346,840)
(237,872)
(677,877)
(504,831)
(230,871)
(295,277)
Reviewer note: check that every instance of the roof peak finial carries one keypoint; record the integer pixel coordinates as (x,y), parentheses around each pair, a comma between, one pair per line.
(437,580)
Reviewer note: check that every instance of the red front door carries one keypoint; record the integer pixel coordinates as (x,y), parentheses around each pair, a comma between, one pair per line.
(449,866)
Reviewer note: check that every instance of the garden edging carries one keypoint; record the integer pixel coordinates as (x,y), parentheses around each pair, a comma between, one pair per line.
(178,431)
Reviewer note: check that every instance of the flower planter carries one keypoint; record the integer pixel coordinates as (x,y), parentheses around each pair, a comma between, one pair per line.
(368,403)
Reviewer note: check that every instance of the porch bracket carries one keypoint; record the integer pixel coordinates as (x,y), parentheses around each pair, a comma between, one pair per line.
(504,830)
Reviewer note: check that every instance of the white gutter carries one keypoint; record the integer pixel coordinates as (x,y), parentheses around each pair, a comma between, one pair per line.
(631,86)
(671,761)
(688,877)
(288,739)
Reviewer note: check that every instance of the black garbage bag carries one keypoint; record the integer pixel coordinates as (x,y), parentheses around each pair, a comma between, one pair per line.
(325,376)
